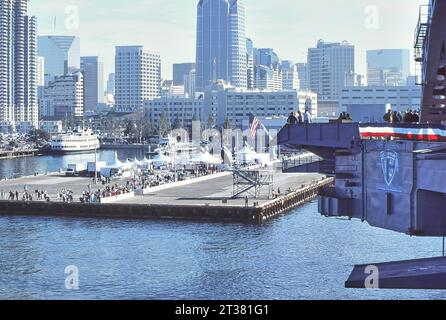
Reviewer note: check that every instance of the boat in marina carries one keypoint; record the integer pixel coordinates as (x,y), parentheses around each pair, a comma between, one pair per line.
(78,141)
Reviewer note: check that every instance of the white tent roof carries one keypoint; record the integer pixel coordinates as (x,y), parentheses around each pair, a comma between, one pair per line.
(116,162)
(207,158)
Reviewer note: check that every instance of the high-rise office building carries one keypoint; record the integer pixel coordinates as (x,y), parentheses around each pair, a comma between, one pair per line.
(267,70)
(18,60)
(304,76)
(40,71)
(61,53)
(137,77)
(111,84)
(330,65)
(93,72)
(388,67)
(63,97)
(189,84)
(180,72)
(221,43)
(290,77)
(250,75)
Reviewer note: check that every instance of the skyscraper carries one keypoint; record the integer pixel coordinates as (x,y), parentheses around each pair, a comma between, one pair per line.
(389,67)
(137,77)
(93,72)
(304,76)
(330,65)
(18,60)
(250,64)
(267,69)
(221,43)
(111,84)
(290,78)
(61,53)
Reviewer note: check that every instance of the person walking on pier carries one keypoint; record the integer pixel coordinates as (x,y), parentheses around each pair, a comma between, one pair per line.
(17,195)
(246,202)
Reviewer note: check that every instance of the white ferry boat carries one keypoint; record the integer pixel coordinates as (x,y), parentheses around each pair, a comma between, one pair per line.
(78,141)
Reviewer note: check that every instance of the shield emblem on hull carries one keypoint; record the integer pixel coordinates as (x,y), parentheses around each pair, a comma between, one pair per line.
(390,165)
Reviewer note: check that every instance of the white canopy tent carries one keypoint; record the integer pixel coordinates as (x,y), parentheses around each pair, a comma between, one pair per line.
(206,158)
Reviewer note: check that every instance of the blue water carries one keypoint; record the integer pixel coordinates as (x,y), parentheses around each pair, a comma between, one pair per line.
(299,256)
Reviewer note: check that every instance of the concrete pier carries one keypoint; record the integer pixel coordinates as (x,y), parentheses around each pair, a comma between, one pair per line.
(13,154)
(204,199)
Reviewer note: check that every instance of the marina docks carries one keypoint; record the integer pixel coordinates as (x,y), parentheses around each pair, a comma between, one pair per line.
(13,154)
(208,198)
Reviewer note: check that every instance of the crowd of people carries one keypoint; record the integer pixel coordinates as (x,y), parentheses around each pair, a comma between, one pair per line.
(66,196)
(409,116)
(299,117)
(26,195)
(344,116)
(91,195)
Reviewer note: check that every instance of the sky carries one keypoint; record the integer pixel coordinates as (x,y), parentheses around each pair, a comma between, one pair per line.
(288,26)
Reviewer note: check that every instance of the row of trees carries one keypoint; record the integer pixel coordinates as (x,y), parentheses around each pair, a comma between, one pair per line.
(138,127)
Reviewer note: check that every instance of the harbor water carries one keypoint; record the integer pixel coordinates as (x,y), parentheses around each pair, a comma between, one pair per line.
(299,256)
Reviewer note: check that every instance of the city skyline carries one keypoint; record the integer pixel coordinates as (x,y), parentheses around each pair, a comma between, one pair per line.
(368,26)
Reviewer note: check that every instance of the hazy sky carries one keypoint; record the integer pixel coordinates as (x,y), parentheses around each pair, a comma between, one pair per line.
(288,26)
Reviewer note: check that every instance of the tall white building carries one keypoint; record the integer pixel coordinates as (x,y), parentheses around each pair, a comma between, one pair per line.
(330,65)
(61,53)
(304,76)
(189,83)
(137,77)
(290,76)
(18,61)
(40,71)
(63,97)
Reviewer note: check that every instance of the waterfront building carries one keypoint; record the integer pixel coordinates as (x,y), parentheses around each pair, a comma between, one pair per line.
(264,103)
(399,98)
(223,102)
(388,67)
(93,72)
(18,58)
(182,108)
(61,54)
(329,65)
(137,76)
(221,43)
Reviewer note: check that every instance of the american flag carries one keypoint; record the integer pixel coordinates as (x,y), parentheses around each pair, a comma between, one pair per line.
(255,123)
